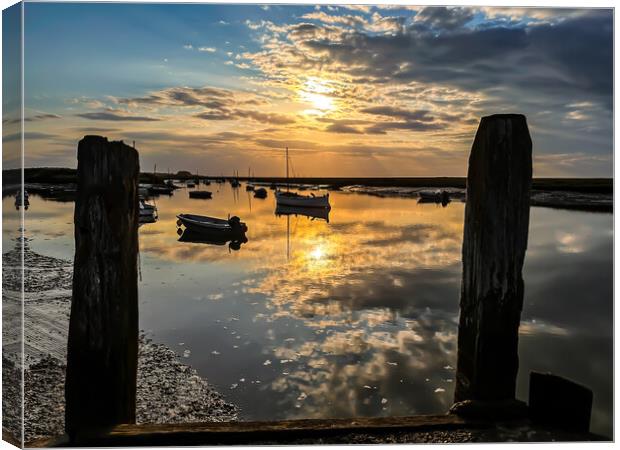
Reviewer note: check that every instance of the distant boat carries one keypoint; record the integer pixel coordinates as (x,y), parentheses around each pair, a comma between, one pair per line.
(160,189)
(171,184)
(249,187)
(235,183)
(198,223)
(190,184)
(287,198)
(200,194)
(260,193)
(312,213)
(435,196)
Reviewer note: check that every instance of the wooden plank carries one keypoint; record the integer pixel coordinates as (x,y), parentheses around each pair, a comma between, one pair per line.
(280,432)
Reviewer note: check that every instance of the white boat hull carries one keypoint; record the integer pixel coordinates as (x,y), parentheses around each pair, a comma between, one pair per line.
(302,200)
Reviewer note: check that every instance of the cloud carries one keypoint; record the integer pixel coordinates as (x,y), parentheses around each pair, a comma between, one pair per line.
(115,116)
(444,18)
(35,118)
(207,49)
(28,135)
(414,125)
(271,118)
(219,104)
(417,115)
(342,128)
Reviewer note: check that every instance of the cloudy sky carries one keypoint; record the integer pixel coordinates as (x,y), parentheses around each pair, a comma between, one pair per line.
(352,90)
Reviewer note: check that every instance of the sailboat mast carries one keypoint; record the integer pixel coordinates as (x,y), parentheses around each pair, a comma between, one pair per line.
(287,185)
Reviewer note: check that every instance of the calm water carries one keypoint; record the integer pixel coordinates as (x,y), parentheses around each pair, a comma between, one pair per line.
(358,316)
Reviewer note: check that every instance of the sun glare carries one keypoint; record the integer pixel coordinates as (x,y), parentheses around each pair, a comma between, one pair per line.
(317,253)
(315,91)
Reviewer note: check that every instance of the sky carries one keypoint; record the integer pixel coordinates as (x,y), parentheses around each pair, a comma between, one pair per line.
(351,90)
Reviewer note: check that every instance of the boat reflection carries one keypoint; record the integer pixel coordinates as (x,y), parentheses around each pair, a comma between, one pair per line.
(213,237)
(312,213)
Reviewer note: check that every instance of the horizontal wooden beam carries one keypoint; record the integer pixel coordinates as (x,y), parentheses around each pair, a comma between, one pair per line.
(277,432)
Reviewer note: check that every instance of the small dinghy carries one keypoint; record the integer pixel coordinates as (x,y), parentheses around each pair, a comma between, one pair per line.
(260,193)
(200,194)
(199,224)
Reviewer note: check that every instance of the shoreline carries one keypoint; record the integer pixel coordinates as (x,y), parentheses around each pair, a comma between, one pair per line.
(61,176)
(168,391)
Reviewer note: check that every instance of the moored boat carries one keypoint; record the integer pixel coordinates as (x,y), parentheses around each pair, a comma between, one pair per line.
(160,189)
(200,194)
(198,223)
(148,212)
(309,201)
(434,196)
(287,198)
(260,193)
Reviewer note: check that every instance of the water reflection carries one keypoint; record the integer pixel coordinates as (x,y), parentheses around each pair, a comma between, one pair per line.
(312,213)
(361,318)
(212,238)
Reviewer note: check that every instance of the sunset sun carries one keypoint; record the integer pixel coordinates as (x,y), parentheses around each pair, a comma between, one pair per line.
(315,92)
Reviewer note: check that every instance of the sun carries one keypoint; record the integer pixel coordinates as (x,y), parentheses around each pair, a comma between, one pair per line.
(315,92)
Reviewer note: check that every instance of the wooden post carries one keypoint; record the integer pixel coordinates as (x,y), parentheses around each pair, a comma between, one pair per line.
(494,244)
(102,354)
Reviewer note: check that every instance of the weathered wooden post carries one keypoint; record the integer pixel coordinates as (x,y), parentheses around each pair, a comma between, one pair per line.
(102,354)
(494,244)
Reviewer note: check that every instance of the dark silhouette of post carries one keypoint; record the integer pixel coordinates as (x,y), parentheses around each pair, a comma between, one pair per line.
(102,354)
(494,244)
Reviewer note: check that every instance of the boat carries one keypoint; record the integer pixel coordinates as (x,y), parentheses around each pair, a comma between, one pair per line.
(160,189)
(190,184)
(260,193)
(435,196)
(235,183)
(309,201)
(200,194)
(147,211)
(204,223)
(249,187)
(171,184)
(288,198)
(312,213)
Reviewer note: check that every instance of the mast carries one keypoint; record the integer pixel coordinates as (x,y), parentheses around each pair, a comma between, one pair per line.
(287,185)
